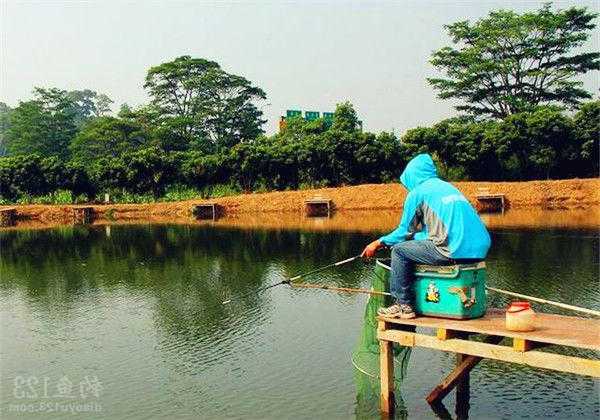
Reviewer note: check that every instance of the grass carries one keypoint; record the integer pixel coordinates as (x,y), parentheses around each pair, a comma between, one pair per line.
(56,197)
(173,193)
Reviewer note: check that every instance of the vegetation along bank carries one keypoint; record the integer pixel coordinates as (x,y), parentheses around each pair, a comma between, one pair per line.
(574,194)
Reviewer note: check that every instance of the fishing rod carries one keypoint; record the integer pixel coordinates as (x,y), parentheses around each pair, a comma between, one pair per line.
(339,289)
(545,301)
(290,281)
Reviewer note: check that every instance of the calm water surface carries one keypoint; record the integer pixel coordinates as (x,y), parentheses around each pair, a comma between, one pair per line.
(127,322)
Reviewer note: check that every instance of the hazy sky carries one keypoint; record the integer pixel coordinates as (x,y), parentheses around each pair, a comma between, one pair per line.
(305,55)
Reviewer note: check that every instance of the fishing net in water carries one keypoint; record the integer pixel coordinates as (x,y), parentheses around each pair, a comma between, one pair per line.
(365,356)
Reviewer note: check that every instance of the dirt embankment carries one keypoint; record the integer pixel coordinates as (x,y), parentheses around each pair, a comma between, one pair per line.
(575,194)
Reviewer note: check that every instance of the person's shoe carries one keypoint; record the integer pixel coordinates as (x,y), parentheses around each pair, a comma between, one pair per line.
(403,311)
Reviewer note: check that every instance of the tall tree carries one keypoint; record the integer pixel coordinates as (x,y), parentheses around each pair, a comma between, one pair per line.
(44,125)
(508,63)
(88,104)
(204,105)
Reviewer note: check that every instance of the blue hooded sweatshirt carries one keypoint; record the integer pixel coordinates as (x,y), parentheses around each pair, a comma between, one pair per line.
(437,211)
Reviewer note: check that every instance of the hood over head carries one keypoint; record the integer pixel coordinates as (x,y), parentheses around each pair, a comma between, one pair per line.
(419,169)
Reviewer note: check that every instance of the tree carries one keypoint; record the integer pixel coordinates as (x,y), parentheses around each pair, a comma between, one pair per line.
(207,107)
(107,137)
(29,175)
(46,124)
(5,111)
(508,63)
(345,118)
(43,126)
(587,129)
(88,104)
(148,170)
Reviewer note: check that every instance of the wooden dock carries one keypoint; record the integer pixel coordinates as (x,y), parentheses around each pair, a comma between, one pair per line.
(8,217)
(83,215)
(454,336)
(488,202)
(318,207)
(207,211)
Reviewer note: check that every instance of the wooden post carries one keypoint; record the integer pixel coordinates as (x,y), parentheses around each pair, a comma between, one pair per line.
(463,391)
(386,367)
(445,334)
(522,345)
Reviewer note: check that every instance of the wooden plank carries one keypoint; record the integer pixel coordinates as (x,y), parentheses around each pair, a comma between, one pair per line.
(386,363)
(552,361)
(485,196)
(467,364)
(550,329)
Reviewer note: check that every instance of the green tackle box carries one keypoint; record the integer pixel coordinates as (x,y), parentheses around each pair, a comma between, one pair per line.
(453,291)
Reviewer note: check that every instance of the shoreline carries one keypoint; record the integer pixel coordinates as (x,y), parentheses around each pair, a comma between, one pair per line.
(580,197)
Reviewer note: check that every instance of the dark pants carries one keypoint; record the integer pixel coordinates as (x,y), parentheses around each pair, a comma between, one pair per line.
(404,257)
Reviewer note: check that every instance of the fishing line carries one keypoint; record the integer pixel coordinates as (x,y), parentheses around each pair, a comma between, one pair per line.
(290,280)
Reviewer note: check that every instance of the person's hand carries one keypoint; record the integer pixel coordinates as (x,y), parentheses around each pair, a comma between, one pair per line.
(371,249)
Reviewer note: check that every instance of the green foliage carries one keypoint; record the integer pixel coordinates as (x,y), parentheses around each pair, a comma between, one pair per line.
(344,118)
(587,134)
(507,63)
(88,104)
(47,124)
(27,175)
(219,190)
(5,111)
(201,134)
(543,143)
(203,106)
(41,127)
(56,197)
(179,192)
(107,137)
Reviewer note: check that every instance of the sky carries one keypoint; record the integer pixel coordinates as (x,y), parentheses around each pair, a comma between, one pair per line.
(306,55)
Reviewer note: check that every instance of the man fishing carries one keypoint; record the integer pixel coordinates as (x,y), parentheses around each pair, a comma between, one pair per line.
(438,227)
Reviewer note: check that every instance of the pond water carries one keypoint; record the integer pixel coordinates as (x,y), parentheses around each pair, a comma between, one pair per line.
(128,322)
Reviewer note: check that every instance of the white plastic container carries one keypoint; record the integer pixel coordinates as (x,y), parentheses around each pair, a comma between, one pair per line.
(520,317)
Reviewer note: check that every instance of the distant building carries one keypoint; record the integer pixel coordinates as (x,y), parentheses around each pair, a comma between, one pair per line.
(308,116)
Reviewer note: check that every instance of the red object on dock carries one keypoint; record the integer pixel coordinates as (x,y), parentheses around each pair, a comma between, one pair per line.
(518,306)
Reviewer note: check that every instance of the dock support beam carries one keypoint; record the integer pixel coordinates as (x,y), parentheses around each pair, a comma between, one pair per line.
(464,365)
(386,367)
(386,359)
(463,390)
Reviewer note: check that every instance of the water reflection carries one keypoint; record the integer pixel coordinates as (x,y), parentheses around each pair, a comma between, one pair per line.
(140,306)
